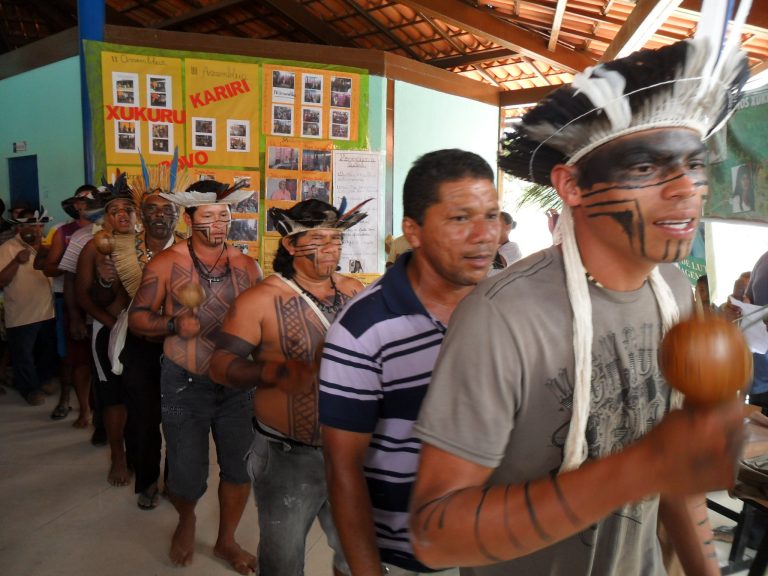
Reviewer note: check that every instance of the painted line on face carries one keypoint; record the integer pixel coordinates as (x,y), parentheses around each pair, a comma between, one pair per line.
(697,184)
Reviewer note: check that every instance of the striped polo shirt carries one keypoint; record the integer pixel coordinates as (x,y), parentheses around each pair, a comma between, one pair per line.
(377,364)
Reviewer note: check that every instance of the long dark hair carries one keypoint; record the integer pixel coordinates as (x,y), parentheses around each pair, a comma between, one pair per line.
(740,191)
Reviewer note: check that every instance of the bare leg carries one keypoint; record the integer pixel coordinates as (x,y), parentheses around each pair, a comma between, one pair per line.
(183,541)
(114,423)
(81,378)
(232,501)
(65,383)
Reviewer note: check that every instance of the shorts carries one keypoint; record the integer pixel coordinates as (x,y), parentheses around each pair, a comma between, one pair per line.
(193,406)
(61,330)
(78,351)
(109,386)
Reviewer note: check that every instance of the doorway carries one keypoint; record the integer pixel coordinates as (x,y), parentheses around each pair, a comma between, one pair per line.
(22,173)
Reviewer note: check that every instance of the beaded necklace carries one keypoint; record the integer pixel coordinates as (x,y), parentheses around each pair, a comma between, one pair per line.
(207,273)
(332,308)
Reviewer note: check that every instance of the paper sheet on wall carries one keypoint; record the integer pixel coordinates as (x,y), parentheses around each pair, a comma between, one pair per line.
(356,177)
(752,325)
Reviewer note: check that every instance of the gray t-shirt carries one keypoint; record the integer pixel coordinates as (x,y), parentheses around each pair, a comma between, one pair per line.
(501,397)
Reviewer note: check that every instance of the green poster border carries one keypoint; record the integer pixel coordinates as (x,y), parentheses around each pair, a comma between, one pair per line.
(93,50)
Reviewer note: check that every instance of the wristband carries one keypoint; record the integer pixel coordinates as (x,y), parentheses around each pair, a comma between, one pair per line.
(171,326)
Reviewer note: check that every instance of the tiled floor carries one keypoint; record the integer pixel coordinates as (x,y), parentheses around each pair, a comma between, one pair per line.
(59,517)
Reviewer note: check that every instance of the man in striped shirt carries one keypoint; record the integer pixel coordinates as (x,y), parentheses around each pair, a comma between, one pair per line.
(380,351)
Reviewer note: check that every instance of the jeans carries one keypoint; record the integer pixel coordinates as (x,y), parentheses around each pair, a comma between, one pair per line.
(33,353)
(193,406)
(289,486)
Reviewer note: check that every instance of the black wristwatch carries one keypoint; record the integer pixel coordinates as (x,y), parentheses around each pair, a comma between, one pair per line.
(171,326)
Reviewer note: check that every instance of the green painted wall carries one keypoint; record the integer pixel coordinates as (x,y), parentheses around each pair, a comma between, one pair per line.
(427,120)
(42,107)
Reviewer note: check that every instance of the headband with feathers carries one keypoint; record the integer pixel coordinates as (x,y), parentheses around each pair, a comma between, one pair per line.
(315,214)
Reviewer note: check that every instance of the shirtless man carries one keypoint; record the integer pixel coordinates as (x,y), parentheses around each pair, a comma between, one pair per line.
(192,405)
(282,324)
(100,293)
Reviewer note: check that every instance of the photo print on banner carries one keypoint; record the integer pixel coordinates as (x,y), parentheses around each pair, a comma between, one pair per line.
(204,134)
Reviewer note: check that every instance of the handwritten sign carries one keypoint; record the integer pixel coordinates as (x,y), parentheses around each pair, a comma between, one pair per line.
(356,177)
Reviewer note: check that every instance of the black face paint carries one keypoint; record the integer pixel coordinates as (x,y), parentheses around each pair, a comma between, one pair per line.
(645,159)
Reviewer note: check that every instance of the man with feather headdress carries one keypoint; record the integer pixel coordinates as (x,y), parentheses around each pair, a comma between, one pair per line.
(139,357)
(551,442)
(281,324)
(192,405)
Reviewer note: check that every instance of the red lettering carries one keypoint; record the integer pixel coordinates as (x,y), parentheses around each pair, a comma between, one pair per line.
(139,114)
(112,112)
(182,116)
(126,113)
(166,116)
(219,92)
(245,85)
(201,157)
(236,88)
(154,115)
(209,97)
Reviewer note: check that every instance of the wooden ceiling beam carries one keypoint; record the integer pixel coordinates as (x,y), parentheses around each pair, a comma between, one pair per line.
(524,97)
(192,15)
(381,28)
(472,58)
(557,22)
(643,22)
(456,46)
(757,17)
(308,22)
(484,25)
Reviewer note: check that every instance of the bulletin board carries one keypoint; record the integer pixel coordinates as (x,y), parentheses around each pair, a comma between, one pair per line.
(274,124)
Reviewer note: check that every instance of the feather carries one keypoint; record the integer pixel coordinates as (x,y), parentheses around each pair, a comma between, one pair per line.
(343,205)
(353,212)
(145,173)
(173,169)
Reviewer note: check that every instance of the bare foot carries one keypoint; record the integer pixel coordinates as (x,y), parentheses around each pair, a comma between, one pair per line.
(119,475)
(183,542)
(83,420)
(242,561)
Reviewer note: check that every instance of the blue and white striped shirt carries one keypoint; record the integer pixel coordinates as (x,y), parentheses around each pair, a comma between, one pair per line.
(377,364)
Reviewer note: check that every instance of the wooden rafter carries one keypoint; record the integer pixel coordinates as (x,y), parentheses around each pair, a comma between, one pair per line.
(644,20)
(460,49)
(381,28)
(484,25)
(557,22)
(196,14)
(472,58)
(308,22)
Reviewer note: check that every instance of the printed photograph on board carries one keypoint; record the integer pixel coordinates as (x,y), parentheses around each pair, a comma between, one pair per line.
(283,158)
(244,230)
(311,119)
(316,160)
(281,188)
(316,189)
(282,120)
(161,136)
(341,91)
(204,133)
(312,89)
(125,87)
(238,135)
(159,91)
(127,136)
(283,86)
(340,124)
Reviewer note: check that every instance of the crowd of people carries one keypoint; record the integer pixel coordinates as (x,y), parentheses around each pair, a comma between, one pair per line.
(443,417)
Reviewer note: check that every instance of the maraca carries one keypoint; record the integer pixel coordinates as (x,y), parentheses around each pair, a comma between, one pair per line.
(706,358)
(104,242)
(191,295)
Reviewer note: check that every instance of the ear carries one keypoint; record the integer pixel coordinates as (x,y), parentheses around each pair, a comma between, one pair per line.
(412,232)
(286,243)
(564,180)
(187,219)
